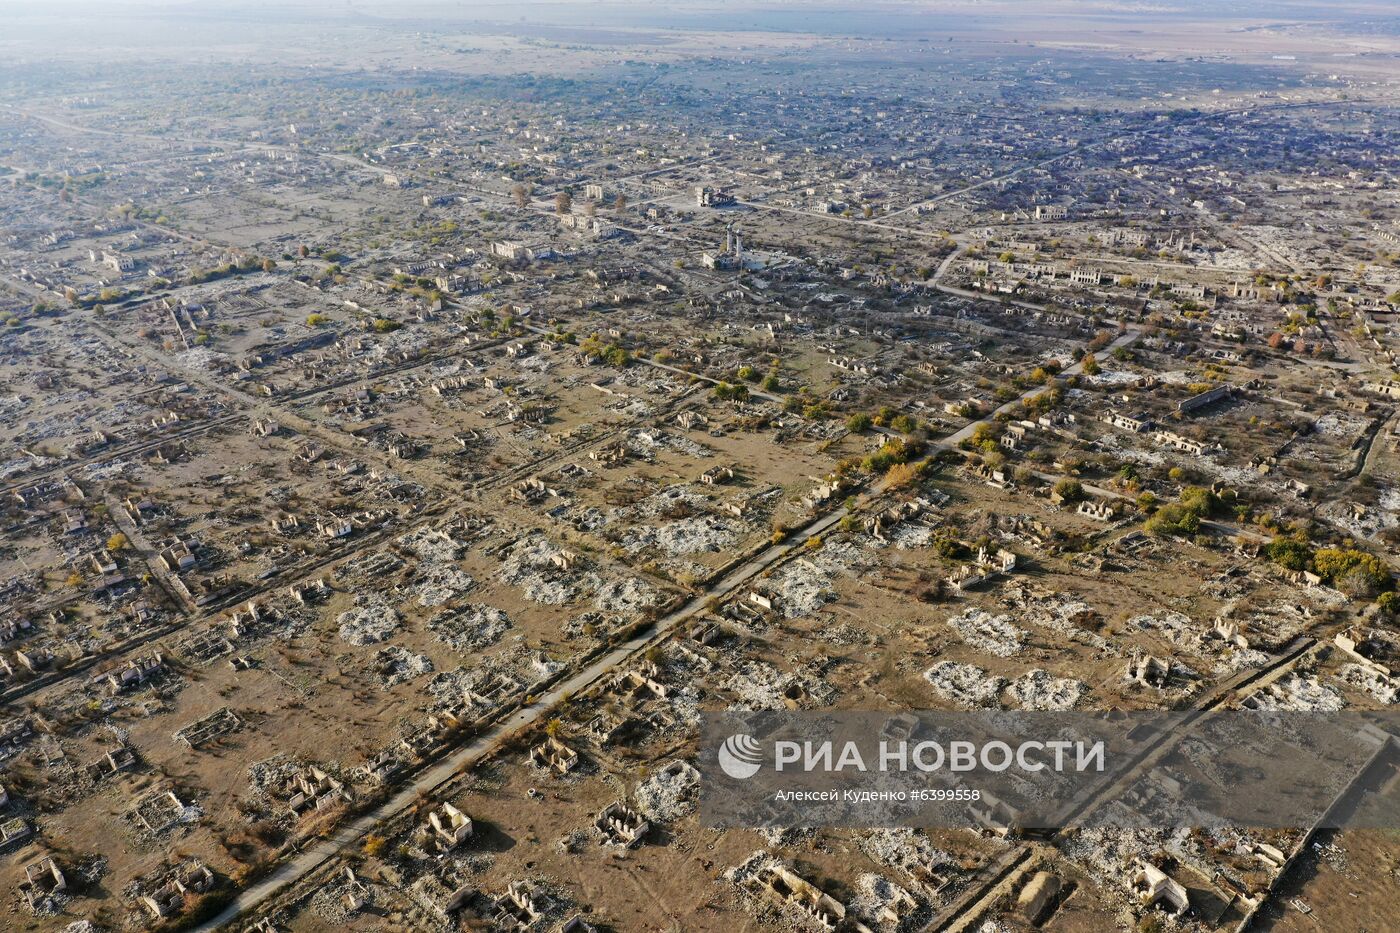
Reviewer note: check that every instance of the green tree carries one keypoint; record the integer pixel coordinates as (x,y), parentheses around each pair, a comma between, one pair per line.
(1290,552)
(1172,520)
(1354,572)
(905,424)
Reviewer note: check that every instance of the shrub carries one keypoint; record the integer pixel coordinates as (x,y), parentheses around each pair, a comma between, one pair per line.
(1173,520)
(1354,572)
(905,424)
(1291,553)
(726,391)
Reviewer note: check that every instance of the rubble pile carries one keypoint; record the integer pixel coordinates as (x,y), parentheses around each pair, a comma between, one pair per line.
(592,625)
(201,358)
(1370,681)
(1108,854)
(1039,690)
(448,686)
(684,707)
(902,848)
(588,519)
(803,588)
(1283,620)
(270,775)
(367,572)
(877,896)
(696,535)
(370,622)
(965,684)
(329,901)
(532,565)
(1299,694)
(789,837)
(541,666)
(908,536)
(986,632)
(430,545)
(471,628)
(1060,614)
(845,634)
(648,442)
(396,665)
(757,685)
(397,345)
(626,595)
(750,867)
(441,583)
(1176,627)
(669,793)
(1233,660)
(672,501)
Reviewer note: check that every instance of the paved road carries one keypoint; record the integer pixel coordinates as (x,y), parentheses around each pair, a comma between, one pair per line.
(436,776)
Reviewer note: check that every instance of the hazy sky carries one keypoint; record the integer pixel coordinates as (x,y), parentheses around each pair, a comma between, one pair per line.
(35,30)
(1320,9)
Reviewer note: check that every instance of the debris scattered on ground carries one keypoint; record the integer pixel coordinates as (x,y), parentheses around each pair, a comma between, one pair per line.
(396,665)
(441,583)
(471,628)
(1039,690)
(877,896)
(965,684)
(909,535)
(757,685)
(1109,854)
(533,565)
(986,632)
(1068,617)
(628,594)
(908,850)
(1298,693)
(371,621)
(430,545)
(804,585)
(1371,681)
(845,634)
(270,775)
(668,793)
(696,535)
